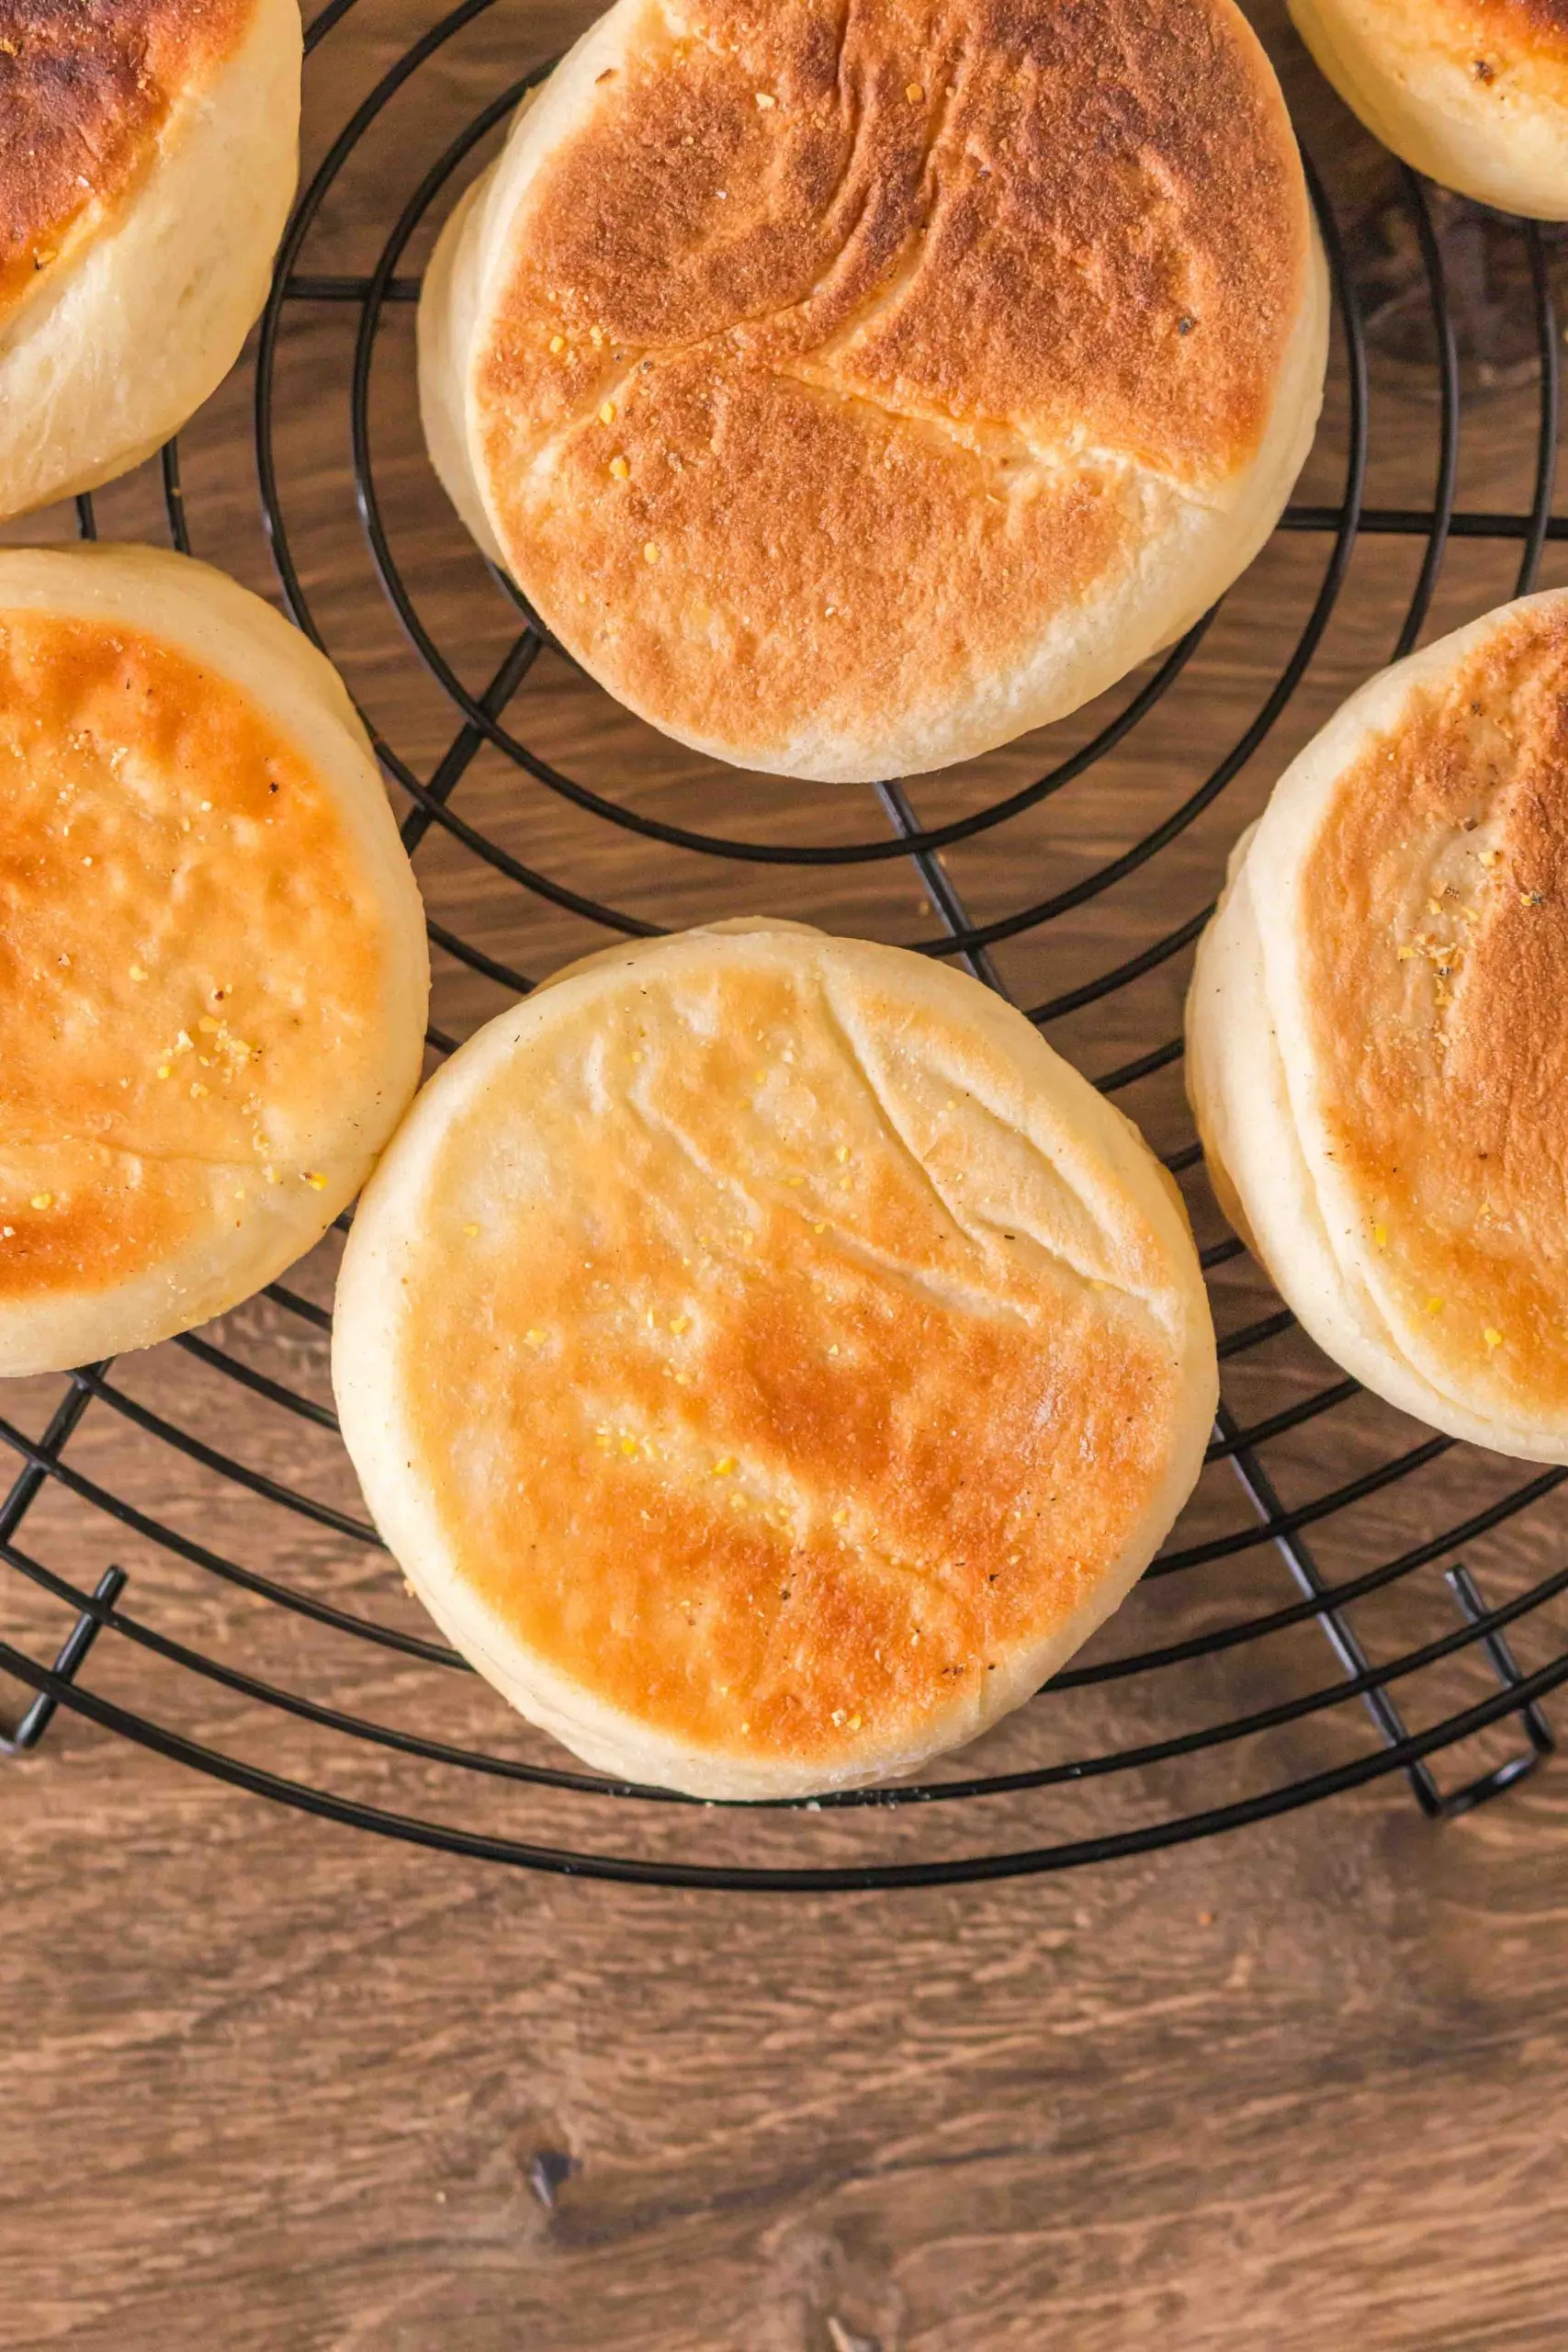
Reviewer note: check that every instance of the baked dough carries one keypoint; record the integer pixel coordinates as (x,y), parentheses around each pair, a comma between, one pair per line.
(213,973)
(852,388)
(1378,1051)
(768,1360)
(149,160)
(1473,93)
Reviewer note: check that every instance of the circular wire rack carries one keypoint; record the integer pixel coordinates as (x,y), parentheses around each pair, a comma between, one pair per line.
(1250,1675)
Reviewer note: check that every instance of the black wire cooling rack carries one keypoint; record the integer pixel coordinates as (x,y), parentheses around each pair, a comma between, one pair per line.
(1211,1702)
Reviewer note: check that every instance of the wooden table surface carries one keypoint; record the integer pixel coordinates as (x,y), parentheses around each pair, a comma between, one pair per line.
(271,2084)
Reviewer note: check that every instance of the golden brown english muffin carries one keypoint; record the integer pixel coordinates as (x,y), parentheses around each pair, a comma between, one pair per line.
(854,387)
(149,151)
(768,1361)
(1377,1048)
(213,972)
(1474,93)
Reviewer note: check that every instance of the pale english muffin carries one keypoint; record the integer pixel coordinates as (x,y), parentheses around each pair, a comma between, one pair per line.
(854,387)
(768,1360)
(1474,93)
(1378,1044)
(148,158)
(212,963)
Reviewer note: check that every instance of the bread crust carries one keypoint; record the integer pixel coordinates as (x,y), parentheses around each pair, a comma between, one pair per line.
(1378,1058)
(1474,93)
(842,415)
(151,156)
(85,96)
(768,1361)
(212,965)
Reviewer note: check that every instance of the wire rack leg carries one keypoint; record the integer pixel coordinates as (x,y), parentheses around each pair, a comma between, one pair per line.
(72,1653)
(1538,1731)
(1342,1638)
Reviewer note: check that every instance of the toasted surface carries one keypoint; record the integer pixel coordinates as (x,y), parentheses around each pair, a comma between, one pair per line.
(1488,39)
(814,374)
(832,1360)
(208,1019)
(148,162)
(85,96)
(1436,966)
(1381,1059)
(1536,28)
(1473,91)
(1472,32)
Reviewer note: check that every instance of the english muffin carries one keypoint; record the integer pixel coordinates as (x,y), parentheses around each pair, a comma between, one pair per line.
(1474,93)
(851,389)
(768,1361)
(149,160)
(1378,1054)
(213,972)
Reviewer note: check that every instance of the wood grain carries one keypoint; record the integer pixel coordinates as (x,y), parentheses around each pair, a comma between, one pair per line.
(274,2086)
